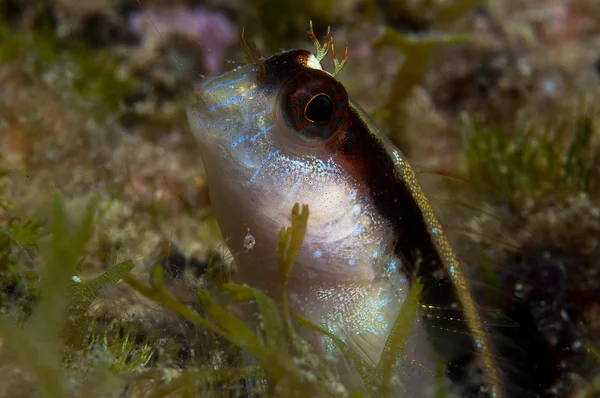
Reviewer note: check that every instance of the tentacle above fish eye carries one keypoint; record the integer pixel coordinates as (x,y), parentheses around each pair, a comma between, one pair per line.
(315,106)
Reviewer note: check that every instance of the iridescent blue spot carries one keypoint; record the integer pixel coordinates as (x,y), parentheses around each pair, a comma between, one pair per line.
(391,267)
(452,269)
(238,141)
(434,230)
(318,254)
(382,304)
(208,81)
(228,83)
(352,262)
(227,102)
(262,132)
(388,222)
(358,230)
(376,254)
(380,318)
(367,198)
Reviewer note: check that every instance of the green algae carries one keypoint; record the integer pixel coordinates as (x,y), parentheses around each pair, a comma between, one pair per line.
(532,163)
(20,237)
(82,295)
(418,51)
(38,346)
(119,345)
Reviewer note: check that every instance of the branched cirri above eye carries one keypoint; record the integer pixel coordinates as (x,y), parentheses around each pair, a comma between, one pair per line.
(322,50)
(319,109)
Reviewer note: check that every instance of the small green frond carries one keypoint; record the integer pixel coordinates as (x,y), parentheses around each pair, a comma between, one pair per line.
(293,238)
(271,321)
(231,325)
(277,366)
(418,52)
(19,242)
(441,391)
(398,336)
(82,296)
(593,353)
(290,243)
(159,294)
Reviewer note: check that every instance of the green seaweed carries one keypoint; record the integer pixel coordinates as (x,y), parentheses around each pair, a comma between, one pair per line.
(19,237)
(533,163)
(41,334)
(440,381)
(82,295)
(418,52)
(595,354)
(290,242)
(270,319)
(125,353)
(398,337)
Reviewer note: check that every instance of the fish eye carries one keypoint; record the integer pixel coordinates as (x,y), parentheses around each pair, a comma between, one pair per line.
(319,109)
(314,106)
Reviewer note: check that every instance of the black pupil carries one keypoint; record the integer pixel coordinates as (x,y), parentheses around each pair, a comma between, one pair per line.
(319,109)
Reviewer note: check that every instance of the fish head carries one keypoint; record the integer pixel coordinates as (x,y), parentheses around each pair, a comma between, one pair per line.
(272,135)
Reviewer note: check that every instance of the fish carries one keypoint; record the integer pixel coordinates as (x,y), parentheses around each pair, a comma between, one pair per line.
(283,130)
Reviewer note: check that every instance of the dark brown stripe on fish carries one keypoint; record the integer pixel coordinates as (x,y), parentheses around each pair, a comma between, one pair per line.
(368,156)
(279,68)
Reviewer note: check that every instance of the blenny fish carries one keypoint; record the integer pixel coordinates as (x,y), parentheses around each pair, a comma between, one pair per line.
(281,131)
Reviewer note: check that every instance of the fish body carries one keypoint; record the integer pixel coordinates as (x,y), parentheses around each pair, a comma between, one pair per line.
(284,131)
